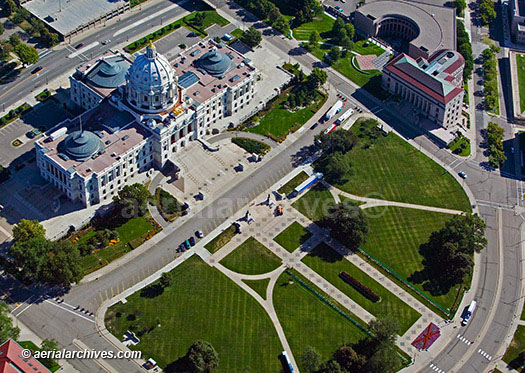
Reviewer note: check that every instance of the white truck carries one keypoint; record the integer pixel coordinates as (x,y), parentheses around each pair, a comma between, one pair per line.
(468,314)
(344,116)
(338,106)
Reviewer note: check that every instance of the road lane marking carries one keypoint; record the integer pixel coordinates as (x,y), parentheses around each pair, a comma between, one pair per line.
(146,19)
(112,295)
(83,49)
(24,302)
(65,309)
(25,309)
(17,84)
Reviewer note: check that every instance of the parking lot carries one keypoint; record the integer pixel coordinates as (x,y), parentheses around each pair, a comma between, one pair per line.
(43,116)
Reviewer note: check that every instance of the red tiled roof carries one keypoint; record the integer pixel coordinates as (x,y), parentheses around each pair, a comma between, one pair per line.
(420,83)
(11,360)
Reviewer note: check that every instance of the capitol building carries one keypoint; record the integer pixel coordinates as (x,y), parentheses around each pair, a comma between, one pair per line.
(139,114)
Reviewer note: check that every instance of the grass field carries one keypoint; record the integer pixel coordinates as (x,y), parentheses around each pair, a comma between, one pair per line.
(279,121)
(457,143)
(322,23)
(206,305)
(131,230)
(394,170)
(370,49)
(394,238)
(308,321)
(315,203)
(222,239)
(328,263)
(520,63)
(516,346)
(294,183)
(293,236)
(259,286)
(251,258)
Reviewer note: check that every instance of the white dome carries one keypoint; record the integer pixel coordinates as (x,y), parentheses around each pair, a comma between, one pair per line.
(151,83)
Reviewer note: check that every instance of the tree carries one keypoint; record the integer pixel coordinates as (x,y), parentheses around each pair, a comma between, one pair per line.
(282,25)
(348,359)
(49,345)
(494,137)
(350,30)
(384,360)
(346,43)
(8,7)
(334,53)
(49,39)
(348,224)
(487,12)
(198,19)
(251,37)
(133,199)
(7,329)
(385,330)
(274,14)
(316,78)
(521,357)
(310,360)
(336,168)
(1,28)
(166,279)
(460,6)
(27,229)
(14,40)
(336,141)
(202,357)
(27,55)
(330,366)
(314,39)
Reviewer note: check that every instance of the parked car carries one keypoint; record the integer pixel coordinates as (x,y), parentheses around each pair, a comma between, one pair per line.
(462,175)
(187,244)
(36,131)
(36,69)
(30,134)
(192,241)
(106,42)
(199,234)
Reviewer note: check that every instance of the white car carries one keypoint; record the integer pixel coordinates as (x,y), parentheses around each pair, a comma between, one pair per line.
(199,234)
(462,175)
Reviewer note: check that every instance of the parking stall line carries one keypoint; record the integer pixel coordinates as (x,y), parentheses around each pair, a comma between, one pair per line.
(101,299)
(143,274)
(112,294)
(107,295)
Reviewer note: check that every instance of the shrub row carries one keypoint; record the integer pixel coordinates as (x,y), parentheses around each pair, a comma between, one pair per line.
(365,291)
(251,146)
(15,114)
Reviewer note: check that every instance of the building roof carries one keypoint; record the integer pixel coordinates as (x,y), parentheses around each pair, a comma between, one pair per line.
(109,72)
(69,16)
(215,63)
(150,71)
(436,24)
(11,360)
(433,76)
(81,145)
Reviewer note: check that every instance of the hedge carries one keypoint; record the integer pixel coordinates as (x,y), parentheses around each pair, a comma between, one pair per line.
(251,146)
(365,291)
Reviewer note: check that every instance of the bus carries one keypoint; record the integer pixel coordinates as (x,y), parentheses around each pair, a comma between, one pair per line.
(330,128)
(308,182)
(344,116)
(338,106)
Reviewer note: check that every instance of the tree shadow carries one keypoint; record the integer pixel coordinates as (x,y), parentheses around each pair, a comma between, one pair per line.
(152,291)
(326,253)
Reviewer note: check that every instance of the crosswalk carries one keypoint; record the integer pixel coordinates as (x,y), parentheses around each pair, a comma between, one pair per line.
(464,340)
(484,354)
(435,368)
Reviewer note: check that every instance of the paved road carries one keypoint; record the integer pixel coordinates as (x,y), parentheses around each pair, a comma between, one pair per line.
(56,63)
(488,186)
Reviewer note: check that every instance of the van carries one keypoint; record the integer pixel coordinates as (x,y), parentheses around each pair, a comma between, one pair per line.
(468,314)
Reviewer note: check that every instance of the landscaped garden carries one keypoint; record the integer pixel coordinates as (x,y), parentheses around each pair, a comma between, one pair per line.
(251,146)
(168,205)
(392,169)
(460,145)
(322,23)
(394,237)
(131,234)
(293,236)
(220,240)
(278,121)
(315,203)
(308,321)
(293,183)
(520,64)
(251,258)
(206,305)
(329,264)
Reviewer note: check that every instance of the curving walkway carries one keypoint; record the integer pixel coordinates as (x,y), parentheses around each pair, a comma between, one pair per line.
(249,135)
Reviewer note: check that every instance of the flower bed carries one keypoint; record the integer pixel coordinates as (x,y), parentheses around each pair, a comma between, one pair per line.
(365,291)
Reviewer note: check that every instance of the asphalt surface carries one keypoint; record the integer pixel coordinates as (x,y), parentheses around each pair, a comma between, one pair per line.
(493,191)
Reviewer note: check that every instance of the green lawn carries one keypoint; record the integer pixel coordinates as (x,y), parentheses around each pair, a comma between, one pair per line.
(394,237)
(259,286)
(222,239)
(520,63)
(201,304)
(308,321)
(294,183)
(132,230)
(322,23)
(251,258)
(370,49)
(455,146)
(516,346)
(328,263)
(316,203)
(394,170)
(293,236)
(279,121)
